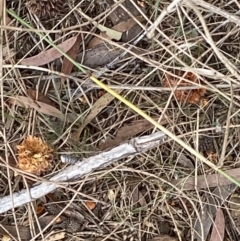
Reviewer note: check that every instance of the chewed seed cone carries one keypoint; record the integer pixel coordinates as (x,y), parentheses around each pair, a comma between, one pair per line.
(34,155)
(190,96)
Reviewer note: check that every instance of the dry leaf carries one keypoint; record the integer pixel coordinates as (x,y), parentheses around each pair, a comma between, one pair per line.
(37,105)
(163,238)
(67,65)
(119,14)
(34,155)
(234,206)
(56,236)
(7,19)
(143,201)
(39,209)
(8,54)
(121,27)
(24,231)
(132,33)
(137,197)
(111,195)
(6,238)
(49,55)
(71,225)
(128,131)
(206,181)
(185,161)
(90,205)
(103,54)
(218,228)
(98,106)
(99,56)
(113,34)
(33,94)
(188,96)
(126,25)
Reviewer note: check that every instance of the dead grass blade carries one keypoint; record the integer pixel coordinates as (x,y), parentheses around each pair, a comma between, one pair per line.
(49,55)
(218,229)
(98,106)
(128,131)
(41,107)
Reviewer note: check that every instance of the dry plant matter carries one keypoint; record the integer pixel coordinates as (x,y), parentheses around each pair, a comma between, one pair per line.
(34,156)
(184,73)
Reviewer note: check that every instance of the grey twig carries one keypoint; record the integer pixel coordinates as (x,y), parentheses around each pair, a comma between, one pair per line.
(81,168)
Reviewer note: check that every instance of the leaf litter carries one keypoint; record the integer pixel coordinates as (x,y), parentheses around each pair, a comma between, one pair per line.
(127,131)
(41,107)
(67,65)
(218,229)
(182,110)
(49,55)
(97,107)
(36,95)
(121,27)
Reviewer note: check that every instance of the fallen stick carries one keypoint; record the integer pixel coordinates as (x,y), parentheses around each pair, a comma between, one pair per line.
(131,148)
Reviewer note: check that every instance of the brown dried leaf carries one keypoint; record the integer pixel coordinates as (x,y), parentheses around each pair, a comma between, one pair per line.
(185,161)
(120,15)
(206,181)
(39,209)
(99,56)
(98,106)
(56,236)
(121,27)
(128,131)
(37,105)
(33,94)
(163,238)
(234,206)
(131,33)
(24,231)
(218,229)
(8,54)
(72,52)
(49,55)
(7,19)
(103,54)
(71,225)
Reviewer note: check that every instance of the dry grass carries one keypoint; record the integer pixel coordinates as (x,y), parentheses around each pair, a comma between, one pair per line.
(132,201)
